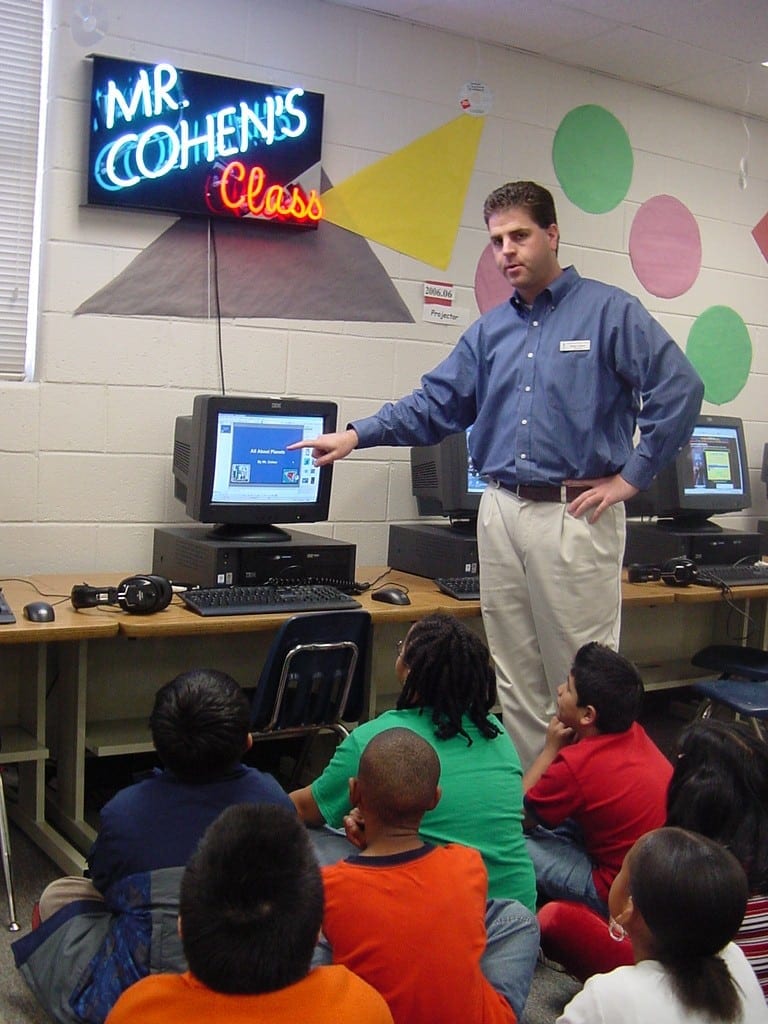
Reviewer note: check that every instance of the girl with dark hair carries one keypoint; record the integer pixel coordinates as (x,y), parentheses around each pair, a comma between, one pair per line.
(719,788)
(448,690)
(680,898)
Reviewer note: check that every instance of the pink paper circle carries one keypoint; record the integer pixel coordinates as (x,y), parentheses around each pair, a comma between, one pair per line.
(491,288)
(665,247)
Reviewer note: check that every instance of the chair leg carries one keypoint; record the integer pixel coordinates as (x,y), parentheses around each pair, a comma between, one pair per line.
(704,709)
(5,850)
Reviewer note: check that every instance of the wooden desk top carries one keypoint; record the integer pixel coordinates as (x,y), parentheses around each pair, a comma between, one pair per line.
(177,620)
(68,624)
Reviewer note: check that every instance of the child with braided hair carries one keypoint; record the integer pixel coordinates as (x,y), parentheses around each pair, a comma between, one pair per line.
(449,688)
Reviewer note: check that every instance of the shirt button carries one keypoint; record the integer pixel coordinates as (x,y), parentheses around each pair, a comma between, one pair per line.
(524,422)
(527,388)
(530,355)
(535,323)
(522,455)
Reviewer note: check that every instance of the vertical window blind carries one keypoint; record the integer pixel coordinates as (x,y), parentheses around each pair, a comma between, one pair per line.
(21,61)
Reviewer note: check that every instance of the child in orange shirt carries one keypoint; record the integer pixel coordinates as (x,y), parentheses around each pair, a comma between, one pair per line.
(401,895)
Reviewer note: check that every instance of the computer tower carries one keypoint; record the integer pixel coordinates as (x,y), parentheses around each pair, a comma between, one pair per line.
(188,555)
(651,544)
(433,549)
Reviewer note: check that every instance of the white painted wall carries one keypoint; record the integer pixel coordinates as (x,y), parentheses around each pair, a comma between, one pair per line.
(85,450)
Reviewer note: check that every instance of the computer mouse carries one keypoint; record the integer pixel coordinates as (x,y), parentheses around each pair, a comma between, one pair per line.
(39,611)
(391,595)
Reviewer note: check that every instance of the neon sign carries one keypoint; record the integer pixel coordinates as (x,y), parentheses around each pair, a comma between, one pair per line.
(167,139)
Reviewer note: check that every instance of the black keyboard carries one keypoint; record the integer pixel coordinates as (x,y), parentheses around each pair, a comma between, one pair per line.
(266,599)
(6,615)
(733,575)
(463,588)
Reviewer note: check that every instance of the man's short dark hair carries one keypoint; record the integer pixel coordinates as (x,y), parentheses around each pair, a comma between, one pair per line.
(251,901)
(536,200)
(610,683)
(200,723)
(399,772)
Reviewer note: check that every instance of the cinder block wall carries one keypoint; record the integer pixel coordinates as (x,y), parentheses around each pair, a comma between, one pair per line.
(85,449)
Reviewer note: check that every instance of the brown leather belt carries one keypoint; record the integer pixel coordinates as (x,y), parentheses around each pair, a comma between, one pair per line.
(547,492)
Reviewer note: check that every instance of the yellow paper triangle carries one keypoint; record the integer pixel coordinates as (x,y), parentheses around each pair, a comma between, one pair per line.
(412,200)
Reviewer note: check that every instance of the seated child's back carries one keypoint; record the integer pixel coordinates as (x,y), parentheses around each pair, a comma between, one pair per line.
(405,915)
(199,725)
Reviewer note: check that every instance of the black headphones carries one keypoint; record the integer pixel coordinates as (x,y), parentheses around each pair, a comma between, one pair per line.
(679,572)
(140,595)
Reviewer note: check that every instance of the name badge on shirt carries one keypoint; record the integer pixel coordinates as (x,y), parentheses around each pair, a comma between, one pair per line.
(578,345)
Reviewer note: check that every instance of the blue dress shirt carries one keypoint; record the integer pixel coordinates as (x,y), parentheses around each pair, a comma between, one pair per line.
(555,390)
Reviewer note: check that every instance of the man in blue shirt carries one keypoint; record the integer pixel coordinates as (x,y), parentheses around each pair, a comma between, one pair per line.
(556,380)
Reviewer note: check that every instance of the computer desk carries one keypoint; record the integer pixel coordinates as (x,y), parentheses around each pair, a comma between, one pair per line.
(83,686)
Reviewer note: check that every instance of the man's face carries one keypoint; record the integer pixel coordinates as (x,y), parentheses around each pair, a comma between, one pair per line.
(524,253)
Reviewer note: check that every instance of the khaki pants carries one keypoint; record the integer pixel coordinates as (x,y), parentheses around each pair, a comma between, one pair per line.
(548,584)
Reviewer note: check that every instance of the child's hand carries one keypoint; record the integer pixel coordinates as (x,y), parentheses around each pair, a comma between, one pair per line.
(558,735)
(354,826)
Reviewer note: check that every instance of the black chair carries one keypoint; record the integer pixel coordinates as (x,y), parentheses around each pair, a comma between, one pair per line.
(315,678)
(741,684)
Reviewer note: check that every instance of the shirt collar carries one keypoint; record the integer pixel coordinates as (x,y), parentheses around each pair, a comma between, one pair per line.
(554,292)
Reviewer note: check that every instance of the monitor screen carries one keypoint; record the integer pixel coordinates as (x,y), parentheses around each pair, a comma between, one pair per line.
(708,477)
(444,480)
(232,465)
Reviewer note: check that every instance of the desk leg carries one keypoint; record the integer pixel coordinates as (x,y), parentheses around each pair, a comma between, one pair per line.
(67,808)
(28,813)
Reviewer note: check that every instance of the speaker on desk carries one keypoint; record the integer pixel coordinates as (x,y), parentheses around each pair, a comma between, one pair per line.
(139,595)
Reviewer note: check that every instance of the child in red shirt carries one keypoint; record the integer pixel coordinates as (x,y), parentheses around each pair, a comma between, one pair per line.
(599,783)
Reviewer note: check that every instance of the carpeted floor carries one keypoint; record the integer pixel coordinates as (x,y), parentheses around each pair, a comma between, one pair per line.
(32,871)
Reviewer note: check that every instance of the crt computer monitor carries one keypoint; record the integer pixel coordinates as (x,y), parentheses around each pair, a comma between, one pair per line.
(445,482)
(231,466)
(708,477)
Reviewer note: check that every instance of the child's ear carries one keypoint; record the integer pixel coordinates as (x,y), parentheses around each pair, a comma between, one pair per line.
(436,801)
(588,715)
(354,791)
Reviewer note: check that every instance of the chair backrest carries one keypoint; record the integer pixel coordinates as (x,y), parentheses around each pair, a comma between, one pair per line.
(316,673)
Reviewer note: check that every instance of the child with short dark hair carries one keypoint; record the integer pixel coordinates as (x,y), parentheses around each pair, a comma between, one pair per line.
(599,783)
(401,895)
(200,729)
(250,910)
(680,897)
(104,932)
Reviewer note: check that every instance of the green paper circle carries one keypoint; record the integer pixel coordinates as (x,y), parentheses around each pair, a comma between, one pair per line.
(593,158)
(720,348)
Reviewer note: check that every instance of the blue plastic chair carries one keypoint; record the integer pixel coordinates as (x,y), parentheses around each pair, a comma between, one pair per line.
(741,686)
(315,678)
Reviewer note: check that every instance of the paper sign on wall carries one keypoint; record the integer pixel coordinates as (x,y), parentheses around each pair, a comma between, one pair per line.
(439,308)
